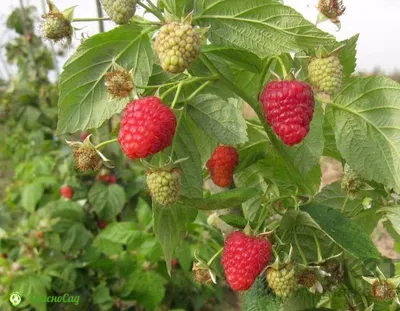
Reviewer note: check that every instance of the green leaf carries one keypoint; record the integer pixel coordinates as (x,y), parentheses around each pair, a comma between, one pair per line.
(146,287)
(367,131)
(31,286)
(255,149)
(273,168)
(393,215)
(251,177)
(219,119)
(258,299)
(179,8)
(247,24)
(344,232)
(170,225)
(307,154)
(330,148)
(31,196)
(76,238)
(235,221)
(348,56)
(184,255)
(107,200)
(102,297)
(84,102)
(185,147)
(222,200)
(122,233)
(68,213)
(302,300)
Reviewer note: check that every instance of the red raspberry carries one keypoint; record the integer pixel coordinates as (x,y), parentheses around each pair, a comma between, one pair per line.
(84,135)
(66,192)
(112,179)
(147,127)
(288,107)
(222,164)
(244,258)
(101,224)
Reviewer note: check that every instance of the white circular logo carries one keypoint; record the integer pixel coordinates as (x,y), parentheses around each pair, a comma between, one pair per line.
(15,299)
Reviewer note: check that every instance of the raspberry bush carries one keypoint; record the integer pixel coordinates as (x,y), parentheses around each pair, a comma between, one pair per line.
(169,91)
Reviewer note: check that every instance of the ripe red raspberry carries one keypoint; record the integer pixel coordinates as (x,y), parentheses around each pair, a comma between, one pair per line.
(244,257)
(84,135)
(102,224)
(288,107)
(147,127)
(222,164)
(66,192)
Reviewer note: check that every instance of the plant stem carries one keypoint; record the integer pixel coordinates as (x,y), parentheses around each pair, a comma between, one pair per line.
(303,257)
(105,143)
(178,92)
(253,102)
(150,10)
(201,87)
(93,19)
(284,70)
(215,256)
(344,204)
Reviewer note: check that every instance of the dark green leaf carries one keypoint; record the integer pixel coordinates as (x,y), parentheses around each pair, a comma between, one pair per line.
(235,221)
(107,200)
(343,231)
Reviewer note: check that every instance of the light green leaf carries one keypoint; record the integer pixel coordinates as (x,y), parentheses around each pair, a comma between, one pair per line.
(107,200)
(31,196)
(366,124)
(68,213)
(185,147)
(302,300)
(170,225)
(265,27)
(219,119)
(339,228)
(222,200)
(84,102)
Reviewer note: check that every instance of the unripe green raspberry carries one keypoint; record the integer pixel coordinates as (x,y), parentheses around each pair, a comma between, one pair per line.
(326,74)
(351,182)
(283,282)
(164,186)
(177,46)
(56,27)
(120,11)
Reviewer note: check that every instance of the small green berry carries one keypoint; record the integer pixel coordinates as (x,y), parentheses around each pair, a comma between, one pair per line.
(164,186)
(326,74)
(120,11)
(177,46)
